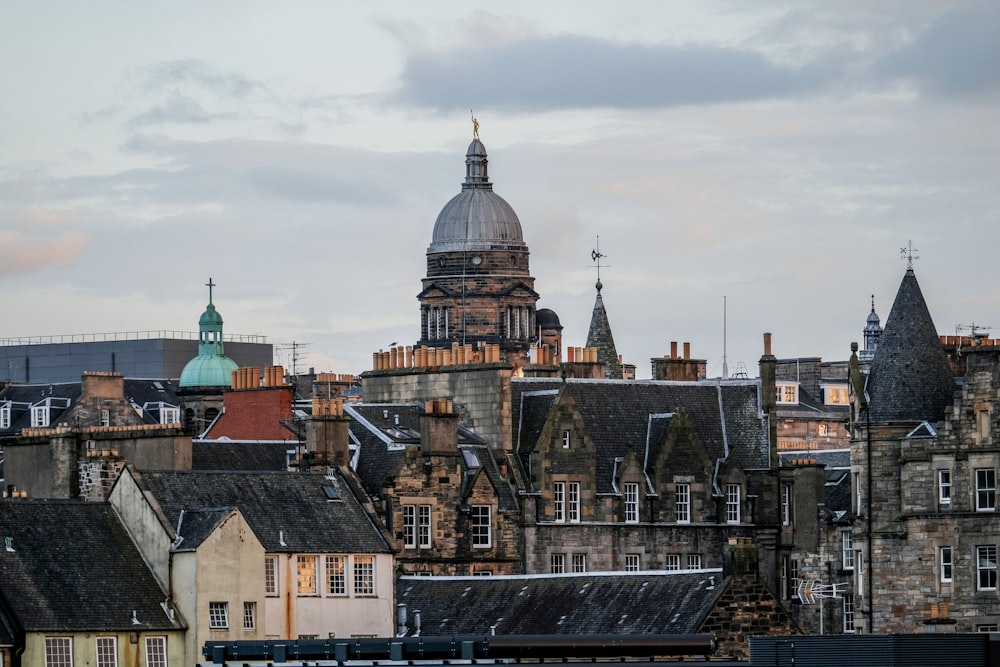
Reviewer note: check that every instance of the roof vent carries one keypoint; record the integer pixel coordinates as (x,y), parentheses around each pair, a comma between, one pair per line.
(8,543)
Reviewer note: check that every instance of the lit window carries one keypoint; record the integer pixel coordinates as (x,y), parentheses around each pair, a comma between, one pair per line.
(732,503)
(786,505)
(682,503)
(944,558)
(848,614)
(631,562)
(482,533)
(336,581)
(694,561)
(944,487)
(566,438)
(364,576)
(218,615)
(579,562)
(557,563)
(986,490)
(424,526)
(107,652)
(788,393)
(573,504)
(249,615)
(559,501)
(836,395)
(409,527)
(156,652)
(631,503)
(847,549)
(270,576)
(823,429)
(986,567)
(673,562)
(305,573)
(39,416)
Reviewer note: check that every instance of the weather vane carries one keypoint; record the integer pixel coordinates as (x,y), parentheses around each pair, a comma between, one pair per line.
(597,256)
(907,254)
(210,285)
(475,126)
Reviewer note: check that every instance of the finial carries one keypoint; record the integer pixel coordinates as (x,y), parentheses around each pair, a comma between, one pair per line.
(210,285)
(873,303)
(907,254)
(596,255)
(475,126)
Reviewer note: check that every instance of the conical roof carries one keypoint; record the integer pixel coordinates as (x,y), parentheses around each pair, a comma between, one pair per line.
(599,335)
(910,378)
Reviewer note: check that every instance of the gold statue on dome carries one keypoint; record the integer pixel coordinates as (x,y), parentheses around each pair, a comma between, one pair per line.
(475,126)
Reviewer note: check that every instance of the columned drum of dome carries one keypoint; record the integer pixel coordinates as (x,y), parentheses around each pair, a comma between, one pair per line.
(478,287)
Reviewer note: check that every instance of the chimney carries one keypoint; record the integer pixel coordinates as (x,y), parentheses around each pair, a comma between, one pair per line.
(769,397)
(327,431)
(439,428)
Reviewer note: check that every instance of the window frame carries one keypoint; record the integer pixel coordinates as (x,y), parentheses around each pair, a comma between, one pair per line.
(567,438)
(306,577)
(944,486)
(559,502)
(271,588)
(986,567)
(5,415)
(946,564)
(579,563)
(363,574)
(557,563)
(409,526)
(786,504)
(847,549)
(424,527)
(59,651)
(630,494)
(733,499)
(672,562)
(481,526)
(335,575)
(104,657)
(40,416)
(156,651)
(986,489)
(218,615)
(682,502)
(848,614)
(249,614)
(573,502)
(633,563)
(694,562)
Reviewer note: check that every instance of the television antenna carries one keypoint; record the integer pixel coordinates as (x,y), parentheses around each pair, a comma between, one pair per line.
(810,590)
(295,356)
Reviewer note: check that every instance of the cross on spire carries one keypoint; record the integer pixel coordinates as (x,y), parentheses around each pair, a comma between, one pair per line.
(596,255)
(907,254)
(210,285)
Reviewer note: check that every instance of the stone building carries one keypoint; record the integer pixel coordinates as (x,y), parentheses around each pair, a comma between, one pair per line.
(478,289)
(924,464)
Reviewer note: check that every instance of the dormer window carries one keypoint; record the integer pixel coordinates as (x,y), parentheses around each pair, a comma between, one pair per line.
(788,392)
(40,416)
(5,415)
(835,395)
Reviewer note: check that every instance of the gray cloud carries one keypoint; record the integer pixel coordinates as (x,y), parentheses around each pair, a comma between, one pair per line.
(570,71)
(957,54)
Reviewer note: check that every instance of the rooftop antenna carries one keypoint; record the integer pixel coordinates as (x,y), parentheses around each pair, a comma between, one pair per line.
(907,254)
(725,359)
(975,332)
(296,355)
(597,256)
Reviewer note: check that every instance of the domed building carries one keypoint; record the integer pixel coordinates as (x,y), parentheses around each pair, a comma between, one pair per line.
(478,287)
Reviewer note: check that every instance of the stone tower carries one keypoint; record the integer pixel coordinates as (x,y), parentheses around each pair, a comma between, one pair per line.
(478,288)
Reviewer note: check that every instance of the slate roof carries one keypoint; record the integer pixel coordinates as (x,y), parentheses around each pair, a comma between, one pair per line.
(910,379)
(609,603)
(599,335)
(726,418)
(74,568)
(196,525)
(223,455)
(288,511)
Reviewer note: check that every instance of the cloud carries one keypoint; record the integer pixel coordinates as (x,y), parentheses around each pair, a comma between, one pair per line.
(568,71)
(956,55)
(177,108)
(20,254)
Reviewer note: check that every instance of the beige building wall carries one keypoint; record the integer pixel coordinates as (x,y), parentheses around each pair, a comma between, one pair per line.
(130,646)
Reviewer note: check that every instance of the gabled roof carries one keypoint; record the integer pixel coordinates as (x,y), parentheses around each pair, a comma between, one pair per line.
(910,379)
(725,416)
(196,525)
(288,511)
(71,567)
(607,603)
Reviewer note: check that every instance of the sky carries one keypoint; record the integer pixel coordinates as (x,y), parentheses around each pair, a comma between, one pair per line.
(748,167)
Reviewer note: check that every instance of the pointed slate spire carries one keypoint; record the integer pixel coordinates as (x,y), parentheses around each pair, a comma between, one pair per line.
(910,379)
(600,336)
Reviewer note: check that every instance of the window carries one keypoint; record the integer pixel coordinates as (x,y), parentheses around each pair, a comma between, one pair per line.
(858,508)
(559,501)
(859,572)
(39,416)
(847,549)
(986,490)
(631,503)
(424,526)
(567,438)
(482,536)
(557,563)
(682,503)
(694,561)
(944,558)
(364,576)
(823,429)
(5,415)
(836,395)
(305,573)
(218,615)
(409,527)
(793,576)
(848,614)
(673,562)
(986,567)
(107,652)
(336,581)
(105,417)
(579,562)
(987,627)
(631,562)
(249,615)
(732,503)
(271,576)
(786,505)
(788,393)
(170,415)
(573,503)
(156,652)
(944,487)
(786,581)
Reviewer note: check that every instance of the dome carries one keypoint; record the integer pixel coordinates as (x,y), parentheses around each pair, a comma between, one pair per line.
(546,318)
(210,316)
(208,370)
(477,218)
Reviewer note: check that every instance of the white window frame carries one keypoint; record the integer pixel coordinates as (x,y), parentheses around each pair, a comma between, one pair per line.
(106,652)
(986,567)
(335,575)
(409,526)
(733,495)
(858,498)
(39,416)
(170,415)
(631,495)
(847,549)
(835,395)
(5,415)
(946,564)
(424,531)
(249,614)
(573,503)
(58,652)
(944,486)
(986,489)
(481,526)
(218,615)
(271,576)
(306,575)
(786,504)
(105,417)
(567,438)
(787,393)
(557,563)
(156,652)
(559,502)
(694,561)
(579,563)
(632,562)
(682,503)
(859,572)
(364,576)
